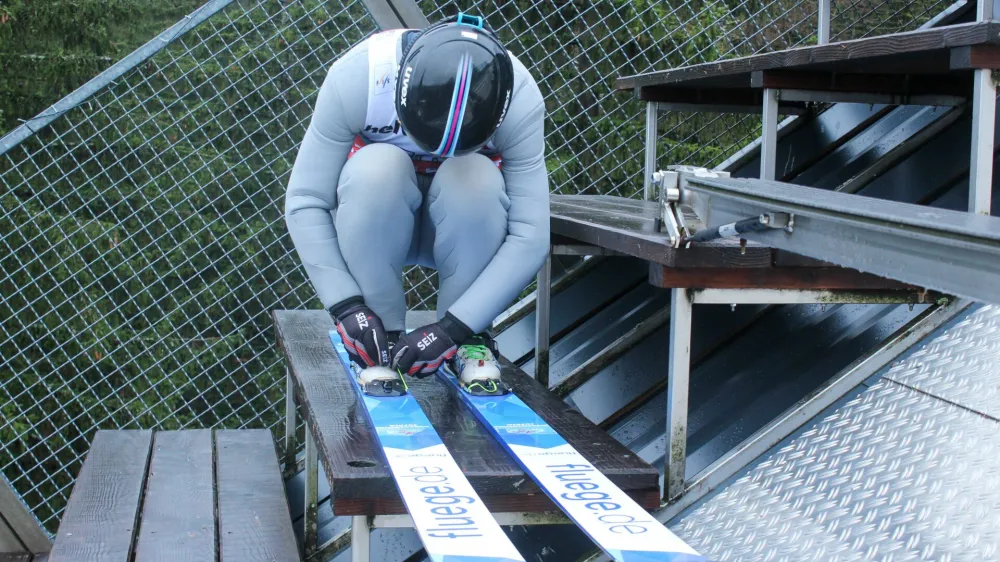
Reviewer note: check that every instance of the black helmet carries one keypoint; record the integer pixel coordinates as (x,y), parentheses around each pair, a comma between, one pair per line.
(454,86)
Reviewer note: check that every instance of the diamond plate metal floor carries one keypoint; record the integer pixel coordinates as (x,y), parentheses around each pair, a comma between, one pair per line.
(959,366)
(895,474)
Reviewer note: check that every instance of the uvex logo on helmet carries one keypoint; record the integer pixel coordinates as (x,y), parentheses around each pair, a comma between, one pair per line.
(406,85)
(506,105)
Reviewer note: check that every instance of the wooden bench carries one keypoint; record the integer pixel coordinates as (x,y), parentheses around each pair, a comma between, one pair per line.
(178,495)
(719,272)
(22,538)
(340,436)
(929,66)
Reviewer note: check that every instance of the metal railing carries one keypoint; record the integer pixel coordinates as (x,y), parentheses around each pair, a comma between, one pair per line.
(142,244)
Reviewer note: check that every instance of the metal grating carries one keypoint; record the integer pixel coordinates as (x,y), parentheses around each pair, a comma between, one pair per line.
(959,366)
(895,474)
(142,243)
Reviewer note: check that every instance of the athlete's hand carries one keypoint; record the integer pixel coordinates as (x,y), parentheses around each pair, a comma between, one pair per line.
(363,335)
(423,351)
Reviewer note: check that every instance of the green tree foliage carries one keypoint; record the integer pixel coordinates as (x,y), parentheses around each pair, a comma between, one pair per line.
(142,243)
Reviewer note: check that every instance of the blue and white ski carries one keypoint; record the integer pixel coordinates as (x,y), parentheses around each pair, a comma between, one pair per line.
(449,516)
(618,525)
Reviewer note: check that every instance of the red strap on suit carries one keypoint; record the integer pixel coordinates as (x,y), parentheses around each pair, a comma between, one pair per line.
(427,167)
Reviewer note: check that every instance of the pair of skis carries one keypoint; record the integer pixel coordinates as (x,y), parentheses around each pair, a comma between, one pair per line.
(451,519)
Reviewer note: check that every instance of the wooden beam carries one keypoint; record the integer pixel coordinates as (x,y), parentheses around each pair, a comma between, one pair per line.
(888,51)
(728,100)
(892,84)
(975,56)
(832,278)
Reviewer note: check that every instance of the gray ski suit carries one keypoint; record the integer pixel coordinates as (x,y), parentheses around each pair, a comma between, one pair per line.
(357,221)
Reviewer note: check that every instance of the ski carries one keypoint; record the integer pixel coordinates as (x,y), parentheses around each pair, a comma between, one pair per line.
(450,518)
(618,525)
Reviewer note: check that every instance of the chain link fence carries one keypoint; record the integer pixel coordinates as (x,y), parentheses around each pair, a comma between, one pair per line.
(142,240)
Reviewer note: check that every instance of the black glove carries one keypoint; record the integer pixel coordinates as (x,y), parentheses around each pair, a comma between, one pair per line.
(362,332)
(421,352)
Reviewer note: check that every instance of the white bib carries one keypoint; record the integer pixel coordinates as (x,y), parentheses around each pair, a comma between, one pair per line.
(381,123)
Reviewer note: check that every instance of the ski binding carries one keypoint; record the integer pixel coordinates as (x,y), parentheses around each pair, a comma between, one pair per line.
(380,381)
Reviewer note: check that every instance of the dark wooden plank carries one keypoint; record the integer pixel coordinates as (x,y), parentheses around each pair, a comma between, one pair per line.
(20,520)
(450,417)
(902,52)
(359,479)
(178,513)
(254,521)
(643,213)
(975,56)
(655,248)
(729,97)
(22,557)
(613,459)
(100,520)
(891,84)
(769,278)
(345,440)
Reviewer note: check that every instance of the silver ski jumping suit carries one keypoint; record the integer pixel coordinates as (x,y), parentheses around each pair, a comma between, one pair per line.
(358,211)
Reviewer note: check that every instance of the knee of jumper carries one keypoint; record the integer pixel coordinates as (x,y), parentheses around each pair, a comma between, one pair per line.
(470,186)
(377,178)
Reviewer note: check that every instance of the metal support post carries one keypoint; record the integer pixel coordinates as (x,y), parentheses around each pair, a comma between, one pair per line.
(290,420)
(310,527)
(677,392)
(769,134)
(360,539)
(652,113)
(984,97)
(543,304)
(981,166)
(823,27)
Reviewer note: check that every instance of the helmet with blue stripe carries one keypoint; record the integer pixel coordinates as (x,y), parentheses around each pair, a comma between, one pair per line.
(454,86)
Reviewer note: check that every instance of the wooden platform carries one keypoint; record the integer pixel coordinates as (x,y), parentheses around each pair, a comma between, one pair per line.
(360,481)
(178,495)
(931,63)
(627,226)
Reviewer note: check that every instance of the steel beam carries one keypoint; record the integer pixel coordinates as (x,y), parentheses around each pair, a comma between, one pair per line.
(652,111)
(803,296)
(823,25)
(360,539)
(953,252)
(679,353)
(769,134)
(984,106)
(309,518)
(543,292)
(290,421)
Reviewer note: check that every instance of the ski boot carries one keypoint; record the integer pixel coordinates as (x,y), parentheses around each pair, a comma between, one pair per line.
(476,368)
(380,381)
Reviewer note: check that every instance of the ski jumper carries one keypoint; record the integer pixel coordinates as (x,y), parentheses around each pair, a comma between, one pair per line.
(363,200)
